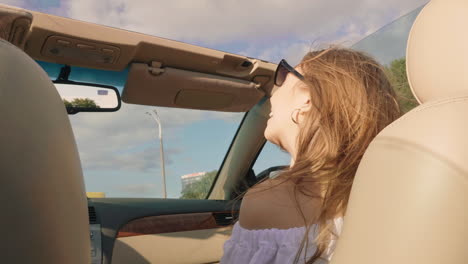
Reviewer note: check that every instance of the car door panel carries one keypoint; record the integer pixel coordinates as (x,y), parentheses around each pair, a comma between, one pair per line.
(163,230)
(199,246)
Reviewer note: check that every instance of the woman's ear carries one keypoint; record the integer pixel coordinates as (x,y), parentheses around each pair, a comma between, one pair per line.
(306,106)
(303,100)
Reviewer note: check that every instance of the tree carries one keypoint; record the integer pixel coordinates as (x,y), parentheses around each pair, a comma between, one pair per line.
(397,75)
(67,103)
(200,188)
(81,103)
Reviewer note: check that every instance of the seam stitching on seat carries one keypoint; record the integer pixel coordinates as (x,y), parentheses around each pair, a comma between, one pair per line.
(428,106)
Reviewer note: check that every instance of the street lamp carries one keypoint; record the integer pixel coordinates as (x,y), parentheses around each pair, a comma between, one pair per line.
(161,149)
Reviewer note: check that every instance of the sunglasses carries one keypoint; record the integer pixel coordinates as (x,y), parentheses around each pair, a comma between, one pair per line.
(282,72)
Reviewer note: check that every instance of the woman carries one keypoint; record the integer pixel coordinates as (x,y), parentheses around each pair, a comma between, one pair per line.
(324,112)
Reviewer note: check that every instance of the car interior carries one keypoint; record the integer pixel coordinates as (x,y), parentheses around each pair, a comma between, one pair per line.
(408,197)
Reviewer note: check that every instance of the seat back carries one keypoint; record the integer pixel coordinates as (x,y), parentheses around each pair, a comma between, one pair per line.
(44,216)
(409,199)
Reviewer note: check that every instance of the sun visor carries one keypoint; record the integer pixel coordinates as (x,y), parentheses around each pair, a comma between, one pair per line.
(170,87)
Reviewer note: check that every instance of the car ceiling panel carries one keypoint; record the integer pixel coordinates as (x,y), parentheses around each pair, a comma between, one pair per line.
(49,34)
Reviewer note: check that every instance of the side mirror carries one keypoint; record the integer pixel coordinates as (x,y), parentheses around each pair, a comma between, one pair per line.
(86,97)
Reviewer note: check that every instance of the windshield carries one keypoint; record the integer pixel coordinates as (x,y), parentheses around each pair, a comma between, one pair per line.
(389,43)
(121,152)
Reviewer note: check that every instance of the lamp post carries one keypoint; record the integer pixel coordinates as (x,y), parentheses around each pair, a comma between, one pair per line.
(161,149)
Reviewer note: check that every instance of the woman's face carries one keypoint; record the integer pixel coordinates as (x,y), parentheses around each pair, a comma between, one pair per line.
(287,98)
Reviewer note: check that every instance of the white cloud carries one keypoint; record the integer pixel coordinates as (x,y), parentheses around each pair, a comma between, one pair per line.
(13,2)
(271,29)
(265,26)
(214,22)
(292,52)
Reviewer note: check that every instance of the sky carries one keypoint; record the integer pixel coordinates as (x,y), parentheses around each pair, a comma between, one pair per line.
(120,151)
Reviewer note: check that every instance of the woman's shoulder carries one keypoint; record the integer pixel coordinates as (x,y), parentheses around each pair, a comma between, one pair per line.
(275,203)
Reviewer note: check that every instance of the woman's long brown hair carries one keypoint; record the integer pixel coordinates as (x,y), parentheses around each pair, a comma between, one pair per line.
(353,101)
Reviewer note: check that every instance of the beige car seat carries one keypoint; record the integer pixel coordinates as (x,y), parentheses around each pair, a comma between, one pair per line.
(44,209)
(410,197)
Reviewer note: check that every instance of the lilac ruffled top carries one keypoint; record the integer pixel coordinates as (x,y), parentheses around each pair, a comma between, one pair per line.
(272,246)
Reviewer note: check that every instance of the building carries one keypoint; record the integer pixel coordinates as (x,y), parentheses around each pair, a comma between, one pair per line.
(189,179)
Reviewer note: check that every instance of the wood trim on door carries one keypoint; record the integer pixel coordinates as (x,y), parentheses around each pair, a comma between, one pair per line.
(171,223)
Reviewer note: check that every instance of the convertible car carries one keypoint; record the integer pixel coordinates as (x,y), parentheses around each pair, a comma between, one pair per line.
(408,200)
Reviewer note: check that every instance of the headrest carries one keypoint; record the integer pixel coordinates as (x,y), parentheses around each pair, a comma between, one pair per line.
(437,52)
(45,217)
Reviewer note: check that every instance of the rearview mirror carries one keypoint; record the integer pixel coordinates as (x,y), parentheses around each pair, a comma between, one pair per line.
(85,97)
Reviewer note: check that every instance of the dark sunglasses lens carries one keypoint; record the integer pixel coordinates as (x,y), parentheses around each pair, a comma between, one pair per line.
(281,74)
